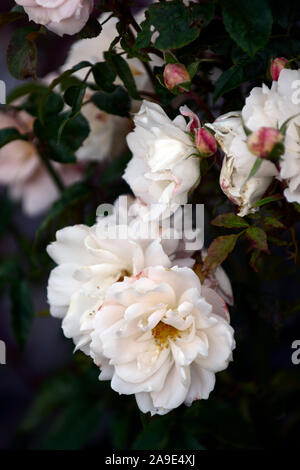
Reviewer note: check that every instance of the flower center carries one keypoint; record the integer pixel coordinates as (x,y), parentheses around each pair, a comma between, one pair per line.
(162,333)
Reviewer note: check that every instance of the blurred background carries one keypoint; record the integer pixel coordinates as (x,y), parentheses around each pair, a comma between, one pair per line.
(52,399)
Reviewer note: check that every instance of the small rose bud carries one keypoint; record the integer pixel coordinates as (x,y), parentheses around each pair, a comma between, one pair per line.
(276,66)
(205,142)
(262,141)
(175,74)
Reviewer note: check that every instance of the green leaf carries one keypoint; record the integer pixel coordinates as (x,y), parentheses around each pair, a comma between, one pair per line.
(248,22)
(267,200)
(24,90)
(254,258)
(22,311)
(203,13)
(75,132)
(174,23)
(60,80)
(116,102)
(245,69)
(229,220)
(52,107)
(104,76)
(283,127)
(256,166)
(9,134)
(10,17)
(22,53)
(74,96)
(91,29)
(258,238)
(218,251)
(272,222)
(121,68)
(229,80)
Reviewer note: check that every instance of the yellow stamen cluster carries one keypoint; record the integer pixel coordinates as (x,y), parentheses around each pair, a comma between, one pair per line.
(163,332)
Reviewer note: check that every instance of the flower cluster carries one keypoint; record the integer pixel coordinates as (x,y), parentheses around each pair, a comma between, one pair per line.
(134,303)
(266,110)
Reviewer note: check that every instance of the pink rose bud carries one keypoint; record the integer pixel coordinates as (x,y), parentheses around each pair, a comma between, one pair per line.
(262,141)
(175,74)
(276,66)
(205,142)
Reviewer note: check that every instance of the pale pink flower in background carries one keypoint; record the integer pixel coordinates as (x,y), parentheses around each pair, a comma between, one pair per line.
(60,16)
(22,171)
(107,138)
(162,336)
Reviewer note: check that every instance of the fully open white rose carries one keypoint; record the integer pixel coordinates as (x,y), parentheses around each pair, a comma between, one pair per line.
(89,260)
(23,172)
(60,16)
(237,164)
(163,168)
(162,336)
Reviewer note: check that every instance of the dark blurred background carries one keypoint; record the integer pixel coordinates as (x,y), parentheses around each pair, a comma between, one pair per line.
(255,404)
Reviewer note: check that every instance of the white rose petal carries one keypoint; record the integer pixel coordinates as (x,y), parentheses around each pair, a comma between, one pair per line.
(163,338)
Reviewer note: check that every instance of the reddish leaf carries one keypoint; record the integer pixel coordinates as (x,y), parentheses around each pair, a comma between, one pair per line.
(258,238)
(229,220)
(218,251)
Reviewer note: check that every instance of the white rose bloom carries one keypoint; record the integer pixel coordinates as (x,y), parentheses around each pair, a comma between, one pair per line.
(162,336)
(163,168)
(90,260)
(237,164)
(271,108)
(60,16)
(264,107)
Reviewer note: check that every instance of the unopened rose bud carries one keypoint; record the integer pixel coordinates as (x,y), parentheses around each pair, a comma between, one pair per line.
(263,141)
(175,74)
(205,142)
(276,66)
